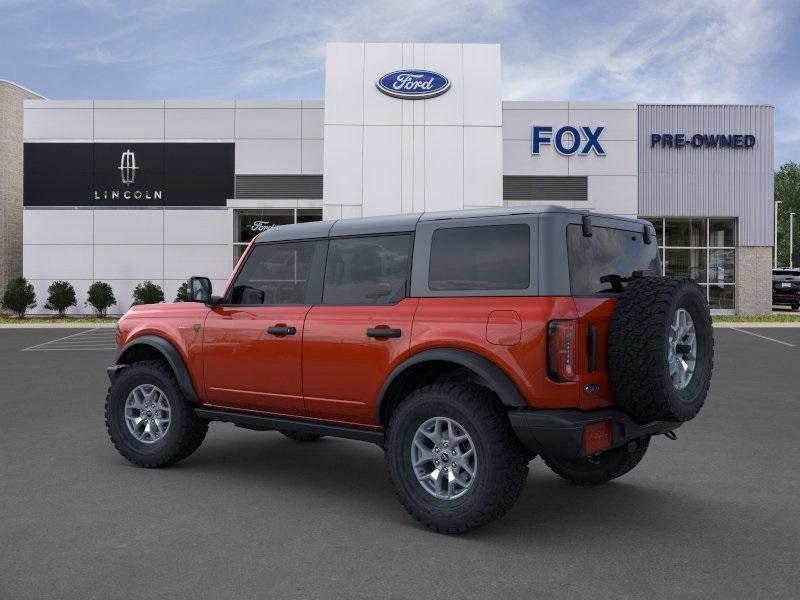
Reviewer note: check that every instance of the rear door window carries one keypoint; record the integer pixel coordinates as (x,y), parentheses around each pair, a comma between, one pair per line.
(487,257)
(602,263)
(369,270)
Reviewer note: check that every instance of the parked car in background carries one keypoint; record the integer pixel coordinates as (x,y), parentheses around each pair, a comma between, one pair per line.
(786,287)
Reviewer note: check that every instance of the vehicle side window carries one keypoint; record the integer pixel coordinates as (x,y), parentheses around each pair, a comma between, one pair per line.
(367,270)
(274,274)
(488,257)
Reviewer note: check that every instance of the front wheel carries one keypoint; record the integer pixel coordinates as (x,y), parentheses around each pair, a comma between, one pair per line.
(148,419)
(604,467)
(454,460)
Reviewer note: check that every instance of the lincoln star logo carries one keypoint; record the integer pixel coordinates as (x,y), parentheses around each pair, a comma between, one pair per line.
(413,84)
(127,167)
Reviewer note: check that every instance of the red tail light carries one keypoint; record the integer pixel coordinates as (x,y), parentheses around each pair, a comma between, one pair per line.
(561,350)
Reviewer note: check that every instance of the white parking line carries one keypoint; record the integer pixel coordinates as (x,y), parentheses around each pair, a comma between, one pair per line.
(763,337)
(90,339)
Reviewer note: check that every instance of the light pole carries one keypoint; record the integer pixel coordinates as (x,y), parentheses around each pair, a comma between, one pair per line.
(791,238)
(777,202)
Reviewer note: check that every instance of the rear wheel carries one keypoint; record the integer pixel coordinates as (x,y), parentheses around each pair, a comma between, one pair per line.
(609,465)
(795,306)
(148,419)
(299,436)
(454,460)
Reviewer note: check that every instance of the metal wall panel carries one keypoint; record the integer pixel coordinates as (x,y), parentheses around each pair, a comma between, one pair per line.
(308,187)
(548,188)
(709,182)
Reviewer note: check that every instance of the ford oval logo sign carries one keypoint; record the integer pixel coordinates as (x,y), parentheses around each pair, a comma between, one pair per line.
(413,84)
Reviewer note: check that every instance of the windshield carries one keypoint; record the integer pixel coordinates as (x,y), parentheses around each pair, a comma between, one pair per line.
(605,262)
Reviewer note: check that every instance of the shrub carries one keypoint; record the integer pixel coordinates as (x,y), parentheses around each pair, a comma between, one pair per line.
(148,292)
(100,297)
(19,296)
(183,293)
(60,296)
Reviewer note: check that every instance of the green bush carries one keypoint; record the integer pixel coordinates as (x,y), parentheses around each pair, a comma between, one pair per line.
(183,293)
(100,297)
(60,296)
(19,297)
(148,292)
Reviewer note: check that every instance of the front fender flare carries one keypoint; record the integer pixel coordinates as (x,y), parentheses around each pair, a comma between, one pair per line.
(496,379)
(170,354)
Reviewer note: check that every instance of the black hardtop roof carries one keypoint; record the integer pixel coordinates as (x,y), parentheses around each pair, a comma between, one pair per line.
(404,223)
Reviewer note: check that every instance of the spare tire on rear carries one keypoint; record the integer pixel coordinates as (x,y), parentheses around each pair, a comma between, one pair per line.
(661,349)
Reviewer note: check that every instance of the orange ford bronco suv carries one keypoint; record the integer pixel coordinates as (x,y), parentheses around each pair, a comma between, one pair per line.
(464,344)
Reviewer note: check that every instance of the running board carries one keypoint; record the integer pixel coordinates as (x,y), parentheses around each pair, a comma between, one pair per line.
(265,423)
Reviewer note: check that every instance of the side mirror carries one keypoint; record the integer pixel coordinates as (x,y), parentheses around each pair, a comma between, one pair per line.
(200,290)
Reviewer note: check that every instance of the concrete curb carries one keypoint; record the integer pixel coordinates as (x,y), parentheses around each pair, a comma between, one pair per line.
(757,325)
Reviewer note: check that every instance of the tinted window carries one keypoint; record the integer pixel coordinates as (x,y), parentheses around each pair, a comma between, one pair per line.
(494,257)
(274,274)
(366,270)
(607,252)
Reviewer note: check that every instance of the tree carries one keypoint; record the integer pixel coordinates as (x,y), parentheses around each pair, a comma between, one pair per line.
(148,292)
(60,296)
(19,297)
(183,293)
(100,297)
(787,191)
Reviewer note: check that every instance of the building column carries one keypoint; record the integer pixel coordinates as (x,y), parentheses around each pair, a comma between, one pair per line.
(754,280)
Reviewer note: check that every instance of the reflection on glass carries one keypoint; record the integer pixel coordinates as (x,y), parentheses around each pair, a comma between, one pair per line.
(685,232)
(721,296)
(722,266)
(722,232)
(685,263)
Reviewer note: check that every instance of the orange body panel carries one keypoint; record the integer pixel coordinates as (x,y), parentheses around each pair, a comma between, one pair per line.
(343,369)
(597,312)
(332,371)
(462,323)
(180,323)
(246,367)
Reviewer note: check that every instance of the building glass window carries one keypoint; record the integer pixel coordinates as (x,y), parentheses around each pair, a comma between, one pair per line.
(704,250)
(249,223)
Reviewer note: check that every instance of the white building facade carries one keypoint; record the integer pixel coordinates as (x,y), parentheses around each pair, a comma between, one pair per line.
(129,191)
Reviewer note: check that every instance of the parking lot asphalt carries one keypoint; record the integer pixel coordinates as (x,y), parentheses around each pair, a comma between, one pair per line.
(715,514)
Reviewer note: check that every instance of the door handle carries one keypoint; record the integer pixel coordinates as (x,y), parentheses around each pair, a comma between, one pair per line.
(383,332)
(281,330)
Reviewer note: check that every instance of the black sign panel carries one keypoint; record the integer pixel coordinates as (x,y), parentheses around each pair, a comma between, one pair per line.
(128,174)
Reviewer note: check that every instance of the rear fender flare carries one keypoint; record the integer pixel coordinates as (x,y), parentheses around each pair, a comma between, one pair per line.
(489,372)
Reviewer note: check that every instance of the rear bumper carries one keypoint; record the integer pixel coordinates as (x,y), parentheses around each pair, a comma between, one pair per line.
(785,297)
(560,433)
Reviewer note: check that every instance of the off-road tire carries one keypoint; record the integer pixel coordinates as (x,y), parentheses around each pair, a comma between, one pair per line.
(186,430)
(601,468)
(795,306)
(638,349)
(502,461)
(299,436)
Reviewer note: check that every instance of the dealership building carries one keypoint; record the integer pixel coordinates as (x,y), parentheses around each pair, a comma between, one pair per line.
(126,191)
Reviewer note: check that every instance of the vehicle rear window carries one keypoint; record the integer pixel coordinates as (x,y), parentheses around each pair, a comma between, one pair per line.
(489,257)
(367,270)
(608,252)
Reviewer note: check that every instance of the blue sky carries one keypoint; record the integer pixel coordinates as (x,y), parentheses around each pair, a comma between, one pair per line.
(667,50)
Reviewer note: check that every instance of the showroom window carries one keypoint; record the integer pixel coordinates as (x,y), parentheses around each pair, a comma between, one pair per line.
(703,249)
(249,223)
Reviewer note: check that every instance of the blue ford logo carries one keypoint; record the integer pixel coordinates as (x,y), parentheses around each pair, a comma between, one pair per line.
(413,84)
